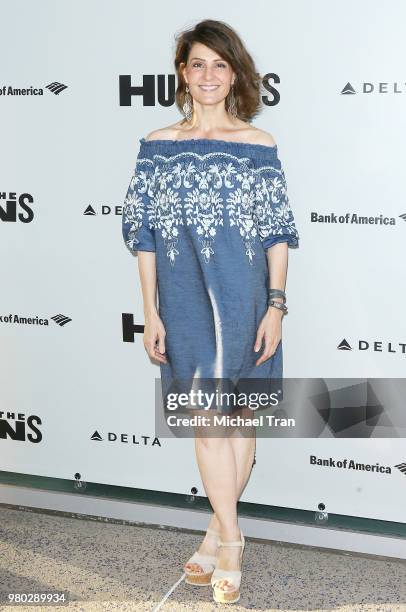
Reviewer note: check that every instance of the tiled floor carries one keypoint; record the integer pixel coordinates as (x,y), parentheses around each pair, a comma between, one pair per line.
(105,566)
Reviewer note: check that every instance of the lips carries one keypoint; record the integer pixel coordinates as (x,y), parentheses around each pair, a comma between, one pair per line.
(209,87)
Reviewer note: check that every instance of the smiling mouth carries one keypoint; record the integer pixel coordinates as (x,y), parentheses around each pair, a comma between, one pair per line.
(209,87)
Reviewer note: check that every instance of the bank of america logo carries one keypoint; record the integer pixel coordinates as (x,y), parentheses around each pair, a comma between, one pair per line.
(348,89)
(56,87)
(403,216)
(401,467)
(344,346)
(61,319)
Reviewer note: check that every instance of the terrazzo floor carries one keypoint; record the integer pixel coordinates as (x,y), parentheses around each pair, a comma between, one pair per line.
(112,567)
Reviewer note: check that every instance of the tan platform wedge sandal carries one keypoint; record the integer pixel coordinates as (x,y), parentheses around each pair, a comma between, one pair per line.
(221,595)
(206,562)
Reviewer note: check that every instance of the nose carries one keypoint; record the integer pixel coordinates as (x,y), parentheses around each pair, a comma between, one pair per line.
(207,73)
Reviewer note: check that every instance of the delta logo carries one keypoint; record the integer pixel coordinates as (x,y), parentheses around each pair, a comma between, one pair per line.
(104,210)
(125,438)
(370,88)
(377,346)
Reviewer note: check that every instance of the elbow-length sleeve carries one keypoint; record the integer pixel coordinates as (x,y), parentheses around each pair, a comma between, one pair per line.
(138,218)
(272,210)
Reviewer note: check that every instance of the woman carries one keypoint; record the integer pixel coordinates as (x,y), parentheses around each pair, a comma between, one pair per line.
(208,213)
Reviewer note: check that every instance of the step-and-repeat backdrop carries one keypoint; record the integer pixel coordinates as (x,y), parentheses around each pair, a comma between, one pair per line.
(80,84)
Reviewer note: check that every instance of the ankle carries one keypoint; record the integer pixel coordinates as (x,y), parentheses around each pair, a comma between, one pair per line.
(214,523)
(229,534)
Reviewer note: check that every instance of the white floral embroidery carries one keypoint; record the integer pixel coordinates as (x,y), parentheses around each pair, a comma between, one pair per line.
(272,210)
(240,209)
(205,192)
(135,206)
(204,209)
(167,218)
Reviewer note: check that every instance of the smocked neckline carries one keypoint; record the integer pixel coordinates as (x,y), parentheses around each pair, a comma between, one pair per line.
(206,142)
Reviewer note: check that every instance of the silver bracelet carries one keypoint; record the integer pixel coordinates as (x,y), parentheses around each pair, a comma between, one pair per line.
(277,293)
(278,305)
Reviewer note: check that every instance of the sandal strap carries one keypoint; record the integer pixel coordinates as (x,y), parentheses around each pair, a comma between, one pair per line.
(240,542)
(205,561)
(197,557)
(233,576)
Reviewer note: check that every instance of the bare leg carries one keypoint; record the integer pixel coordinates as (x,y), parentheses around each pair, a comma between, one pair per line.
(244,452)
(235,454)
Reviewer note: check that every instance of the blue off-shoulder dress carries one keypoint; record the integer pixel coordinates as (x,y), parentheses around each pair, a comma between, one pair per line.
(210,209)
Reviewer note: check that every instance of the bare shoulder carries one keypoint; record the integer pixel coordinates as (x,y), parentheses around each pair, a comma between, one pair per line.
(262,137)
(166,133)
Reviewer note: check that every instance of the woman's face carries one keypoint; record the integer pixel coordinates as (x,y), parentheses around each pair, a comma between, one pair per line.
(209,76)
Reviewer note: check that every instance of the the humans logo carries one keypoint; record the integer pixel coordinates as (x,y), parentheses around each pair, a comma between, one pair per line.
(164,88)
(17,427)
(8,212)
(129,327)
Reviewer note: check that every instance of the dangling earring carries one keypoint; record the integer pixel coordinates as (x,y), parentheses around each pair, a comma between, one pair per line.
(187,105)
(232,106)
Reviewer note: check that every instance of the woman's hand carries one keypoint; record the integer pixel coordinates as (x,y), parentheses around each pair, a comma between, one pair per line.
(154,337)
(270,328)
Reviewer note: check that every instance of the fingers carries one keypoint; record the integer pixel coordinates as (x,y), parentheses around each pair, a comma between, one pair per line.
(258,340)
(160,356)
(155,347)
(155,354)
(161,343)
(271,344)
(160,350)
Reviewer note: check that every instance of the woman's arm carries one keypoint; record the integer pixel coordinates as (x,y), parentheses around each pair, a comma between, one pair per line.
(154,331)
(271,324)
(278,268)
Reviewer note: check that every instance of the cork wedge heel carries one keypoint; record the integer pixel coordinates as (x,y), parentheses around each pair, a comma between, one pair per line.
(206,562)
(221,595)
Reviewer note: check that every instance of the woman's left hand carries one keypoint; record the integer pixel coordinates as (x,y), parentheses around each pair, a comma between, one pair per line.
(270,329)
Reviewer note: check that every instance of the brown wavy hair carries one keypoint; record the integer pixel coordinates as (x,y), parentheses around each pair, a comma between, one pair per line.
(222,39)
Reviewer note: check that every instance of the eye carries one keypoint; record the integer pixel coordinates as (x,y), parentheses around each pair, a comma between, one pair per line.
(196,64)
(222,65)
